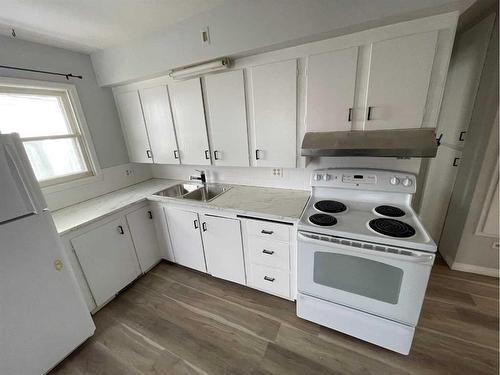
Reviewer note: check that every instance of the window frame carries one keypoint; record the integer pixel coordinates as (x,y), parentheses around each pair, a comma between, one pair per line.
(76,120)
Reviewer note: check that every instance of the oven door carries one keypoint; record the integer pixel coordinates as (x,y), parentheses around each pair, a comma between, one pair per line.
(384,281)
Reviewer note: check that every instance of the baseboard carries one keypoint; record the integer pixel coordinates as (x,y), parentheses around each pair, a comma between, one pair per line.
(475,269)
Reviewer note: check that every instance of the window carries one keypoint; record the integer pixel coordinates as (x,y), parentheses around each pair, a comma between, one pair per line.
(47,123)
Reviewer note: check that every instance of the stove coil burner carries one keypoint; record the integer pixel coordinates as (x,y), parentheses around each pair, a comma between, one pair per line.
(323,220)
(332,207)
(389,211)
(391,227)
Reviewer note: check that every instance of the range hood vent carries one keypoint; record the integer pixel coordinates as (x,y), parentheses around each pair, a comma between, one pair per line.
(403,143)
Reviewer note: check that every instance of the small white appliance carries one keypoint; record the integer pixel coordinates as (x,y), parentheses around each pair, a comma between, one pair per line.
(43,316)
(364,258)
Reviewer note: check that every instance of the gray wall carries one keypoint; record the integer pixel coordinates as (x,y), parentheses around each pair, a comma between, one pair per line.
(98,103)
(239,27)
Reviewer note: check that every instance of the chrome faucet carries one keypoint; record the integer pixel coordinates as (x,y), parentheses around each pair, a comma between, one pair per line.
(202,177)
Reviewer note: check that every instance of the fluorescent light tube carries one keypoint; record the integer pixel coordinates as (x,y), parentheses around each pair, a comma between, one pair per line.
(194,70)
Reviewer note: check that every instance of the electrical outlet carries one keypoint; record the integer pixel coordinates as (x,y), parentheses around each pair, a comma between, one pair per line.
(278,172)
(495,245)
(129,172)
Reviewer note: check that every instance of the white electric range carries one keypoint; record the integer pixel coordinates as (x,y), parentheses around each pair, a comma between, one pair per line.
(364,258)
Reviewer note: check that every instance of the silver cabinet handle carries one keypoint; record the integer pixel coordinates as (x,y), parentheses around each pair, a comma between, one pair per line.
(204,226)
(195,223)
(268,252)
(216,155)
(349,116)
(207,154)
(149,154)
(461,136)
(176,154)
(150,214)
(257,156)
(267,278)
(455,162)
(263,231)
(120,229)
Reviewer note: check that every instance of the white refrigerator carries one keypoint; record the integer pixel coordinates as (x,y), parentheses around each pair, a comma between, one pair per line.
(43,316)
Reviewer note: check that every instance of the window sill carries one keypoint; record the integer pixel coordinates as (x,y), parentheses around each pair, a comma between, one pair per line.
(72,184)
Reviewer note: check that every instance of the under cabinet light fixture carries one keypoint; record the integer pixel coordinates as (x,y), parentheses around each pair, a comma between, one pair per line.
(195,70)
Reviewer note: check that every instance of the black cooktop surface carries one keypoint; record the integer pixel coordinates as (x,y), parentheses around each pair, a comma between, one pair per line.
(392,227)
(332,207)
(323,220)
(391,211)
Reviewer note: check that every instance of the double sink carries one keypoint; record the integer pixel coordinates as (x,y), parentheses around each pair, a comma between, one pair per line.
(195,192)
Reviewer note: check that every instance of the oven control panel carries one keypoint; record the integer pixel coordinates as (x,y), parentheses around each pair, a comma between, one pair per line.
(365,179)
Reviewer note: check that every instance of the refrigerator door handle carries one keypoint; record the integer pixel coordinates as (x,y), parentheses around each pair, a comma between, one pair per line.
(18,176)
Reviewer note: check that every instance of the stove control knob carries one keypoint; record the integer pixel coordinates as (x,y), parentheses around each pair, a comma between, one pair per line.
(318,177)
(394,181)
(327,177)
(407,182)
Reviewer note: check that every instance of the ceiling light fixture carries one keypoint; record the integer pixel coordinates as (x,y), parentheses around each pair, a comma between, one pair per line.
(199,69)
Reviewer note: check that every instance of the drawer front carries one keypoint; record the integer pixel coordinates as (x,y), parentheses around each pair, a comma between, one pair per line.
(269,253)
(271,280)
(278,232)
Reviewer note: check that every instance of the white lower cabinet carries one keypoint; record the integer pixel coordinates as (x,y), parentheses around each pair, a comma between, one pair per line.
(108,259)
(185,236)
(223,248)
(270,279)
(142,228)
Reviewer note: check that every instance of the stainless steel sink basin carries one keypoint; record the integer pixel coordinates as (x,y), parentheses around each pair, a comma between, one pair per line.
(207,193)
(177,191)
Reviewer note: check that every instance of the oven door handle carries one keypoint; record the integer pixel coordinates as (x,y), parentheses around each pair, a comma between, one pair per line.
(413,258)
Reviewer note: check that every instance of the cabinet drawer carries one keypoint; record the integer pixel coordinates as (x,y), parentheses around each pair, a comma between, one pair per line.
(270,279)
(269,253)
(279,232)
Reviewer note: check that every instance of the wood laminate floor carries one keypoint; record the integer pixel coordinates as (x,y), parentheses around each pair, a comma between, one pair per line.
(177,321)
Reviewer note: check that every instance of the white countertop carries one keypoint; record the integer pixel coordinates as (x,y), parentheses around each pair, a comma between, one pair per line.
(285,204)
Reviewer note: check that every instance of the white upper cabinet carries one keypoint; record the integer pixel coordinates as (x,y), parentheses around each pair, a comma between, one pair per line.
(189,120)
(134,128)
(400,71)
(331,81)
(227,118)
(159,124)
(274,99)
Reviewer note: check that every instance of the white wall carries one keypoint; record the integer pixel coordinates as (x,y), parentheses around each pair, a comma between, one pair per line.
(241,27)
(460,245)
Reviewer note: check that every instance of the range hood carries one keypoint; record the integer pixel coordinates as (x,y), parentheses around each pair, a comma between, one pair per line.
(403,143)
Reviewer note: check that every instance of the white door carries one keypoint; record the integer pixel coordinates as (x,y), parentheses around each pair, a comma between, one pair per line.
(42,311)
(185,236)
(227,118)
(400,71)
(189,120)
(133,126)
(143,231)
(159,123)
(223,248)
(108,259)
(274,98)
(439,185)
(331,81)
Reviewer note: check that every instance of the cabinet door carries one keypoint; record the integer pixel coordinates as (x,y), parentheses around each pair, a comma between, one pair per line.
(160,221)
(142,228)
(227,118)
(400,70)
(223,248)
(331,80)
(439,185)
(108,259)
(133,126)
(184,228)
(189,120)
(159,123)
(274,97)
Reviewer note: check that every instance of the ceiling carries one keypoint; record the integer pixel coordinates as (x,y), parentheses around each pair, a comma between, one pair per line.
(90,25)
